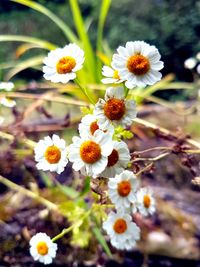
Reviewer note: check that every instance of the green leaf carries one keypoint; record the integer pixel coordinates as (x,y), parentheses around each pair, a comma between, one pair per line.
(68,191)
(99,236)
(80,27)
(27,39)
(22,65)
(60,23)
(86,187)
(102,17)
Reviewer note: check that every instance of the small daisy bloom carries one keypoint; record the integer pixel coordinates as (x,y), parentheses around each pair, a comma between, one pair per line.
(89,125)
(51,154)
(7,86)
(7,102)
(145,202)
(122,189)
(122,231)
(190,63)
(138,63)
(117,160)
(90,155)
(115,109)
(62,64)
(112,76)
(42,248)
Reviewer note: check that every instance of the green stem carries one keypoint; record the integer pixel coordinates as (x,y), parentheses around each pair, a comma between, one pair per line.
(70,228)
(28,193)
(84,91)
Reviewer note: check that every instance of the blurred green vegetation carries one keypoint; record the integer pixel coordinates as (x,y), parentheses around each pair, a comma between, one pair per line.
(173,26)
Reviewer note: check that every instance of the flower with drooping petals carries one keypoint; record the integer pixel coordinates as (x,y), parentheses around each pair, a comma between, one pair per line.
(115,109)
(90,154)
(122,189)
(42,248)
(62,64)
(7,86)
(145,202)
(51,154)
(138,63)
(7,102)
(122,231)
(117,160)
(112,76)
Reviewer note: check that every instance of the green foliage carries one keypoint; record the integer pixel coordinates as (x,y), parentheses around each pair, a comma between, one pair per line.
(121,133)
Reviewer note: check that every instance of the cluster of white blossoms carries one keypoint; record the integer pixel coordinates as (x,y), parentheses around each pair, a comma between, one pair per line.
(96,152)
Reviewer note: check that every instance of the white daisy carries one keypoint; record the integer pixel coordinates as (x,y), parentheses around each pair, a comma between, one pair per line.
(7,102)
(42,248)
(122,231)
(7,86)
(89,125)
(145,202)
(115,109)
(112,76)
(117,160)
(51,154)
(62,64)
(190,63)
(90,155)
(122,189)
(138,63)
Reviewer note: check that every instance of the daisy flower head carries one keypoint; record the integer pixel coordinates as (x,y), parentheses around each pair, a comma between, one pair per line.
(51,154)
(90,154)
(115,109)
(122,231)
(62,64)
(138,63)
(145,202)
(112,76)
(7,86)
(117,160)
(89,125)
(42,248)
(122,189)
(7,102)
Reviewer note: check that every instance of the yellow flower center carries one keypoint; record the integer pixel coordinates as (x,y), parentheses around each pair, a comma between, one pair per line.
(124,188)
(113,158)
(120,226)
(93,127)
(42,248)
(138,64)
(52,154)
(114,109)
(90,152)
(116,75)
(147,201)
(65,65)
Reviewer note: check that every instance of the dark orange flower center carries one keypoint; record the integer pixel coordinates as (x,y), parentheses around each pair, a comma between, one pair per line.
(124,188)
(65,65)
(147,201)
(42,248)
(116,75)
(52,154)
(90,152)
(114,109)
(120,226)
(93,127)
(113,158)
(138,64)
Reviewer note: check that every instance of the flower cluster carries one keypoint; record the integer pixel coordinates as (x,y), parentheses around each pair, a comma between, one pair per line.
(96,152)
